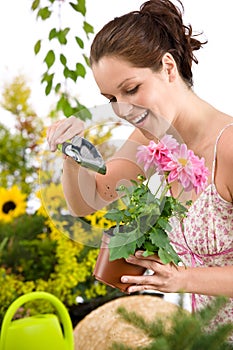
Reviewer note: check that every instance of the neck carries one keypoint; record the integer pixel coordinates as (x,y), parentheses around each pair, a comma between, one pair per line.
(193,119)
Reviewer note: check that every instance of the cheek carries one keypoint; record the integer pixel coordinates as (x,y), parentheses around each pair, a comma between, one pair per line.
(149,98)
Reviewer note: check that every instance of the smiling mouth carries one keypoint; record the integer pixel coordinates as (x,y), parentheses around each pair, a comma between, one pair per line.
(139,119)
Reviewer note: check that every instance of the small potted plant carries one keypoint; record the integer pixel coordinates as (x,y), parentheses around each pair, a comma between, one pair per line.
(144,222)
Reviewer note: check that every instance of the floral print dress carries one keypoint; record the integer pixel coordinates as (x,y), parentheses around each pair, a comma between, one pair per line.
(207,238)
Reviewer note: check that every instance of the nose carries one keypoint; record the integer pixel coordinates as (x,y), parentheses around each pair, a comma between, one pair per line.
(122,109)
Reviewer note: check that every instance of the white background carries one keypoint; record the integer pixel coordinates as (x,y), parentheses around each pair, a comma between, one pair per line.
(19,31)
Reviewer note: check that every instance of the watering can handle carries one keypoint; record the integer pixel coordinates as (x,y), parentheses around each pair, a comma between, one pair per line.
(61,309)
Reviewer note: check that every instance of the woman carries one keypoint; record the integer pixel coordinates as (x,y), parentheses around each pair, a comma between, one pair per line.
(145,58)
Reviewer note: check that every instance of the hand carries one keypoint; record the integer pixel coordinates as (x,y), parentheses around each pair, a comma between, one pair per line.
(167,278)
(64,130)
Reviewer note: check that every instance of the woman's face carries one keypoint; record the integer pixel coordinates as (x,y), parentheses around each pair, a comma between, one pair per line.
(130,86)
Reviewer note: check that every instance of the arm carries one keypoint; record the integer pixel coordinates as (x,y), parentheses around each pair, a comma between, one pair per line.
(84,190)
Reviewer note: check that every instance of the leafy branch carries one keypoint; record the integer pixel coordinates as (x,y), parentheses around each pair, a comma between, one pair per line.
(60,73)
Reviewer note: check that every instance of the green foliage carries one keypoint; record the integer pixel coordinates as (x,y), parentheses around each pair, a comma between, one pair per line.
(57,60)
(25,252)
(18,150)
(185,331)
(143,223)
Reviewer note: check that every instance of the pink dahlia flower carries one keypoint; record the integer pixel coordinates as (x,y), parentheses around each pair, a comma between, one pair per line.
(177,161)
(187,168)
(156,154)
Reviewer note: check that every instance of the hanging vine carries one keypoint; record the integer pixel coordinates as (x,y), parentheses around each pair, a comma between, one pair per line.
(61,73)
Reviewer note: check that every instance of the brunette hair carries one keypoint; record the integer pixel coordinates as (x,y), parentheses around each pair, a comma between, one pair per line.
(143,37)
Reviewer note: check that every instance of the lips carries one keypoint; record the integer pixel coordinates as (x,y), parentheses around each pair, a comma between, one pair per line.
(138,119)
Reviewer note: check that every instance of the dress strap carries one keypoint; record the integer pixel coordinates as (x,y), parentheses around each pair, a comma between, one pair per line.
(215,150)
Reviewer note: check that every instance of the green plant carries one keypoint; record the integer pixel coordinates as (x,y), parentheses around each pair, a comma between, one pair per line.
(143,223)
(182,330)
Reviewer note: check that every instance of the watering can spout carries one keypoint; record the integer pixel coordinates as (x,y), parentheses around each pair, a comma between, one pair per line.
(40,332)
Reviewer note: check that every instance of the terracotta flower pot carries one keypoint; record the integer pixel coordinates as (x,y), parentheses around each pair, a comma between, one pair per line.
(110,272)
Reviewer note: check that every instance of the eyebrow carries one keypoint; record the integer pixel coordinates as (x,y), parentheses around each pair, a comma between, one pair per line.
(120,85)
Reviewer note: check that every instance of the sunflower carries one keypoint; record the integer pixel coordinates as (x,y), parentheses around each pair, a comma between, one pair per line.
(12,203)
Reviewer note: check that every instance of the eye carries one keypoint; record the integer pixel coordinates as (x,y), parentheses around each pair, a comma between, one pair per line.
(133,91)
(112,99)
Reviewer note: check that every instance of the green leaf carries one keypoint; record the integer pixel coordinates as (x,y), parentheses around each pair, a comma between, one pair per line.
(80,70)
(79,42)
(48,88)
(68,73)
(164,256)
(37,47)
(148,253)
(57,87)
(159,238)
(114,215)
(65,106)
(79,7)
(61,35)
(52,34)
(88,28)
(86,58)
(163,223)
(49,79)
(122,245)
(44,13)
(35,4)
(150,248)
(63,59)
(81,112)
(50,58)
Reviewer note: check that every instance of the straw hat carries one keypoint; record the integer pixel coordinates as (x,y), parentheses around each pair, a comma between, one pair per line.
(103,326)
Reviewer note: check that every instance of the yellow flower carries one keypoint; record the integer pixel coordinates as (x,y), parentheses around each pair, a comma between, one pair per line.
(97,219)
(12,203)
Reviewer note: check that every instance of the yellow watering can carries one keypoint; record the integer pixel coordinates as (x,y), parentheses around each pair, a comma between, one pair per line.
(40,332)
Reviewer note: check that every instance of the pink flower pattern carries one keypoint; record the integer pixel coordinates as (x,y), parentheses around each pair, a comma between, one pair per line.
(207,239)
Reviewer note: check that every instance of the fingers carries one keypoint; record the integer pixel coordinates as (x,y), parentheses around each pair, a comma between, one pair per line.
(141,288)
(151,262)
(63,130)
(162,277)
(141,283)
